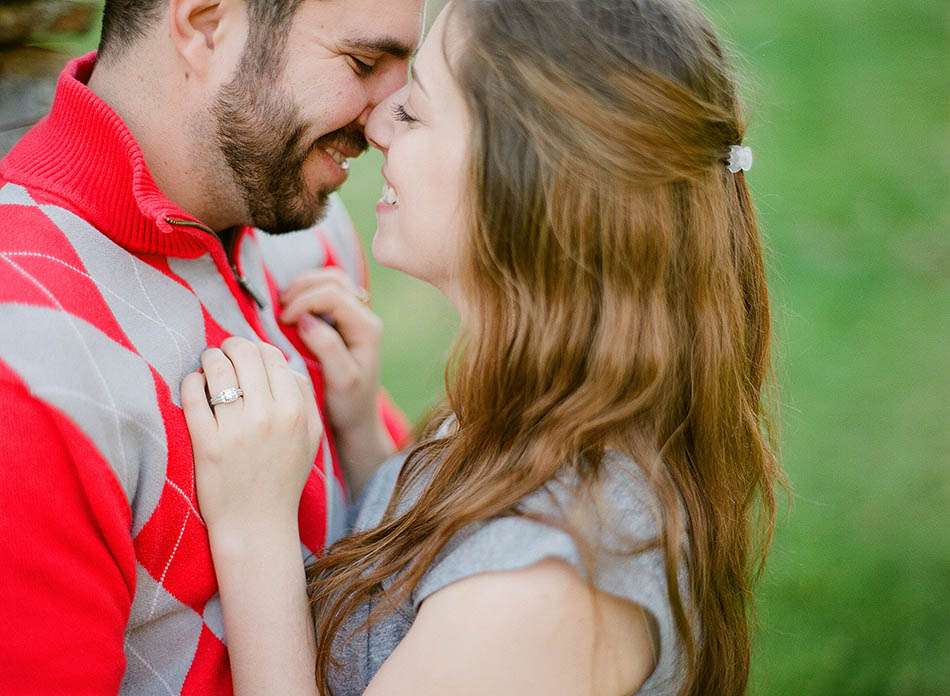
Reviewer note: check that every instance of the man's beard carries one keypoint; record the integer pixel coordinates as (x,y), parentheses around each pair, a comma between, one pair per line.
(262,138)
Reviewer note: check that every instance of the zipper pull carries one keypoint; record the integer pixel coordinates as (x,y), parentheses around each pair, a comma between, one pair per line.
(248,288)
(241,280)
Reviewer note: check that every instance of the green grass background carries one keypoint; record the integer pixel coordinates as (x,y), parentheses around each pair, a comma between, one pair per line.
(849,107)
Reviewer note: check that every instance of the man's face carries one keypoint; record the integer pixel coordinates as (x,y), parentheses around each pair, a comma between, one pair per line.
(286,123)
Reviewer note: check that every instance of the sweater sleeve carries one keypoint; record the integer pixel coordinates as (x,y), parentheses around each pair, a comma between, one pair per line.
(397,425)
(68,569)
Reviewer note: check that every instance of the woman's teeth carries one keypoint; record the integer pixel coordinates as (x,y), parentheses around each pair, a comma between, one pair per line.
(389,195)
(337,157)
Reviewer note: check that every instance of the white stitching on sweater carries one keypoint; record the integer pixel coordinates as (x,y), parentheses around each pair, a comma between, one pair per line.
(89,400)
(164,324)
(72,323)
(168,563)
(112,293)
(185,497)
(129,420)
(151,669)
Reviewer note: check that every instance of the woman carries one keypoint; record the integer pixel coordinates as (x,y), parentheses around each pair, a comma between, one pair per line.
(585,514)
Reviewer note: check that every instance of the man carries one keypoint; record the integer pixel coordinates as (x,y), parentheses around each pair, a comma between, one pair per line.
(126,248)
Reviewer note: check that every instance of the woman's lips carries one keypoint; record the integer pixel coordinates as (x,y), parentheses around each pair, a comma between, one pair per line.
(389,195)
(389,200)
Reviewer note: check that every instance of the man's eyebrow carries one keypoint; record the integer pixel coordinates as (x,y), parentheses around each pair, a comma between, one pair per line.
(382,44)
(416,80)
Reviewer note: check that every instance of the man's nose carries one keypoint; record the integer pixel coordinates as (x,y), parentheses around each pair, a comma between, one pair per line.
(390,79)
(379,123)
(363,118)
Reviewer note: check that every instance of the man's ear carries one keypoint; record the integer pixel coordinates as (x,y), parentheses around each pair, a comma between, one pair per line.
(194,30)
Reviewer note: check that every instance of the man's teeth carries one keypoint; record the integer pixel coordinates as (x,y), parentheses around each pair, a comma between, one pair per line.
(337,157)
(389,195)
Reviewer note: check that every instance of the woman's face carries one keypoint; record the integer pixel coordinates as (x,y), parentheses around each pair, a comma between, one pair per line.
(423,131)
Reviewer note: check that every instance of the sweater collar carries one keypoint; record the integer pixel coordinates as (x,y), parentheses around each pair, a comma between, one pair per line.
(85,155)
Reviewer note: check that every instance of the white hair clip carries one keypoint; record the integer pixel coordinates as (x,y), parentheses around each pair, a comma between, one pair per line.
(740,158)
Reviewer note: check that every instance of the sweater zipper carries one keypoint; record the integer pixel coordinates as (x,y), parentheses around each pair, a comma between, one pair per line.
(238,277)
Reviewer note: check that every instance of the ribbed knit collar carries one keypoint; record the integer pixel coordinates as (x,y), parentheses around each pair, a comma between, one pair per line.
(84,154)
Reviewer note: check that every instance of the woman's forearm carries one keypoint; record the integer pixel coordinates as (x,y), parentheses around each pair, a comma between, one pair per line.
(267,620)
(362,450)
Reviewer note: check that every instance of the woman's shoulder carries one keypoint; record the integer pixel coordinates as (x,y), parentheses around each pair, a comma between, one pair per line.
(541,625)
(604,531)
(620,502)
(606,528)
(608,520)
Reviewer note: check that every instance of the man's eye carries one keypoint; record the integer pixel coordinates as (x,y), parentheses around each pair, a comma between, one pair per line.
(362,67)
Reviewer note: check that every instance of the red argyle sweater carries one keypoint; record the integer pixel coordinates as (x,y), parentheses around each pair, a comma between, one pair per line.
(108,295)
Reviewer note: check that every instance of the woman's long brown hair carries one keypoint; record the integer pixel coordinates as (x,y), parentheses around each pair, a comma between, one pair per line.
(616,300)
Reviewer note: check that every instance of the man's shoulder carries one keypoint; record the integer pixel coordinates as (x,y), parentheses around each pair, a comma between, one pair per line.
(38,262)
(32,221)
(60,338)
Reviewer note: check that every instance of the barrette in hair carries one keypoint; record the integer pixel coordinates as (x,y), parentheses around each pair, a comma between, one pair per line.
(740,158)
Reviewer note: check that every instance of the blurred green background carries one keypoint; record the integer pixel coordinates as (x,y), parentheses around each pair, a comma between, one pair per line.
(849,109)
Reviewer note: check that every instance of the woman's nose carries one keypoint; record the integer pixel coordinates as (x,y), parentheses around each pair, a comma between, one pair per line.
(379,127)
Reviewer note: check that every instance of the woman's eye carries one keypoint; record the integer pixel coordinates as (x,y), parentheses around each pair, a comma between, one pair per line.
(400,113)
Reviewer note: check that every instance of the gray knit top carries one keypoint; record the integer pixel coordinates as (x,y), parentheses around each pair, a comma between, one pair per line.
(621,515)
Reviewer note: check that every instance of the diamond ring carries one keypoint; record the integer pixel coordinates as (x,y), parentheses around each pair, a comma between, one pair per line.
(228,396)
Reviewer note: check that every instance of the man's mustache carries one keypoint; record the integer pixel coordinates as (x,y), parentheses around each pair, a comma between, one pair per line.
(349,140)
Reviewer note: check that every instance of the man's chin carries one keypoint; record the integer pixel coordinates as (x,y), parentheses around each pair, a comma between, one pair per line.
(293,218)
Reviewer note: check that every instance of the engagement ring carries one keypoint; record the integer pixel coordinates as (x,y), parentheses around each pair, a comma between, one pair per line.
(228,396)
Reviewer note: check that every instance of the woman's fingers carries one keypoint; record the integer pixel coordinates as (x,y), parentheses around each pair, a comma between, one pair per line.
(283,386)
(291,390)
(360,328)
(341,306)
(344,334)
(318,277)
(198,415)
(245,356)
(220,375)
(314,422)
(339,366)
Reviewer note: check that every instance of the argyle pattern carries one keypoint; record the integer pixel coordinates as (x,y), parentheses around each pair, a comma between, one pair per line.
(106,338)
(97,331)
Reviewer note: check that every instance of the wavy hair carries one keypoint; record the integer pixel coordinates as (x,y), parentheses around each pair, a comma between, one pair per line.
(614,274)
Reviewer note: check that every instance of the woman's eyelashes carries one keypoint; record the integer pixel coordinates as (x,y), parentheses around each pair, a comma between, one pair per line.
(400,114)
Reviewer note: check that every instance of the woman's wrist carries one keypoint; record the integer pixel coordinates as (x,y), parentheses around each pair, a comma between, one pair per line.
(248,536)
(362,449)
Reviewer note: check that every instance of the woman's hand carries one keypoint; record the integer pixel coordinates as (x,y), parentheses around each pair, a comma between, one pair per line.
(252,459)
(252,456)
(345,335)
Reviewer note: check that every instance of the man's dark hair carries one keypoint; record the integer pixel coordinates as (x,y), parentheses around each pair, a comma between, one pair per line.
(125,21)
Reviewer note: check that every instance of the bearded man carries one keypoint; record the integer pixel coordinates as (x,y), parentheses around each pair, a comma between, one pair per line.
(128,246)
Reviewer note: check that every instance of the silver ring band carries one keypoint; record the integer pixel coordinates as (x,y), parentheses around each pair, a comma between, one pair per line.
(228,396)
